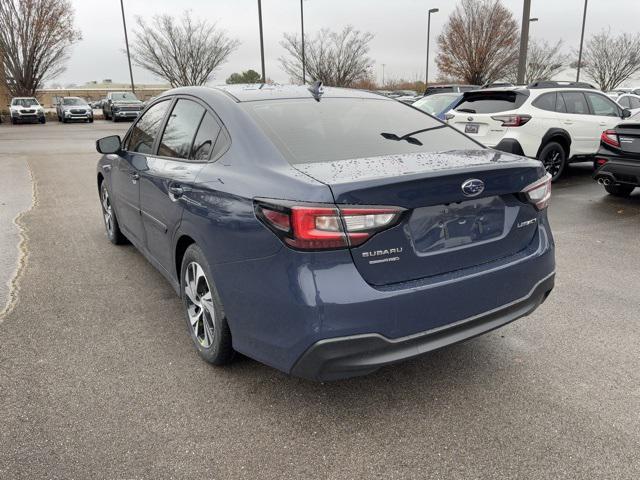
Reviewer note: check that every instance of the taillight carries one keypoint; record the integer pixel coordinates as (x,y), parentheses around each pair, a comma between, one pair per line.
(512,120)
(539,192)
(610,137)
(322,227)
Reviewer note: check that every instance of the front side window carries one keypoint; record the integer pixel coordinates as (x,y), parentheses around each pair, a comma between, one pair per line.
(575,103)
(635,102)
(624,102)
(144,132)
(601,105)
(181,128)
(306,131)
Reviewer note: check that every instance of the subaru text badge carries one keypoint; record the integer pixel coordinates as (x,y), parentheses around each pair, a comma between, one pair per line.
(472,187)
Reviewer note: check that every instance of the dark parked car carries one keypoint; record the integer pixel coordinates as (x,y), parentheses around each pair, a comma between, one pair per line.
(73,108)
(121,105)
(326,233)
(617,162)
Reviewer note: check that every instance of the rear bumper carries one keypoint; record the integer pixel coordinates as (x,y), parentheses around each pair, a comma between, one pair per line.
(510,145)
(344,357)
(619,170)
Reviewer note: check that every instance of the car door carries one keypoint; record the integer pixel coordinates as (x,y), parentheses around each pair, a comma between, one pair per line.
(171,174)
(126,168)
(578,122)
(605,114)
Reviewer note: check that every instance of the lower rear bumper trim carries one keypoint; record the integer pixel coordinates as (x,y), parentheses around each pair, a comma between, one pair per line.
(344,357)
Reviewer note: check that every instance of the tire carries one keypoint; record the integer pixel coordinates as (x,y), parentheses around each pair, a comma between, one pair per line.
(619,190)
(204,313)
(111,225)
(554,159)
(91,120)
(43,120)
(14,121)
(114,118)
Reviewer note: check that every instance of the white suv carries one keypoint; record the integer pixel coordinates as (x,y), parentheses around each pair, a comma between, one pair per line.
(555,122)
(26,109)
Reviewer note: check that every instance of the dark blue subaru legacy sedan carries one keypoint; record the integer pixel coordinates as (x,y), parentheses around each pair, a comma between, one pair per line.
(326,232)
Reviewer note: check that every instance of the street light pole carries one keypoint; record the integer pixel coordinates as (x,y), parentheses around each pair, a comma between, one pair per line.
(584,21)
(426,75)
(524,41)
(264,77)
(304,80)
(126,41)
(383,65)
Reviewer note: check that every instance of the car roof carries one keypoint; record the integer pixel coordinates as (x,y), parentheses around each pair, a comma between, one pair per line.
(24,98)
(259,91)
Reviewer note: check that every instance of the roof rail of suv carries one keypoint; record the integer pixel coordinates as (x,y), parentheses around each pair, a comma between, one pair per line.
(559,84)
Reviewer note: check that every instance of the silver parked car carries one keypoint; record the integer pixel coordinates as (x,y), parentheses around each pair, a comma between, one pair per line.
(74,108)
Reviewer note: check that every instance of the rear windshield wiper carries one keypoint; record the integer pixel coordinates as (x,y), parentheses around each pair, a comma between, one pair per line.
(409,136)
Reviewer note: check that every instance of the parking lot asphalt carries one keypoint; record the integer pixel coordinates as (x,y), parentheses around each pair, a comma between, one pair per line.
(98,378)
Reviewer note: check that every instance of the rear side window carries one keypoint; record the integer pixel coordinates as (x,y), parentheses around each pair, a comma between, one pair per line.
(625,102)
(306,131)
(144,132)
(205,139)
(181,129)
(575,103)
(635,102)
(546,102)
(601,105)
(491,102)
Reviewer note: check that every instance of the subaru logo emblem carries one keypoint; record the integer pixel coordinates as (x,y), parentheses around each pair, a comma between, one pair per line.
(473,187)
(469,119)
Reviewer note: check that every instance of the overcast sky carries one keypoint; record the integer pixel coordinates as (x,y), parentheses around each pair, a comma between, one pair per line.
(399,27)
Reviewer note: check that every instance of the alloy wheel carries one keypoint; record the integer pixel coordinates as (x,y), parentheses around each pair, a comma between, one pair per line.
(553,162)
(200,308)
(107,210)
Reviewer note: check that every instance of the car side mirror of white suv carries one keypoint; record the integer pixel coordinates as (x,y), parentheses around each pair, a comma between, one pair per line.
(626,113)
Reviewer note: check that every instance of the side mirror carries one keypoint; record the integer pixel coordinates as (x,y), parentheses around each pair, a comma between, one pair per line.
(626,113)
(110,144)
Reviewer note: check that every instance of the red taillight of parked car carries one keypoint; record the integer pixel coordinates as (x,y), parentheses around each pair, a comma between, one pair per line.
(323,227)
(538,193)
(512,120)
(610,137)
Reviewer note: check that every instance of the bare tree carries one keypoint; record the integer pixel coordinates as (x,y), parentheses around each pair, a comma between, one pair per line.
(544,61)
(35,37)
(336,58)
(610,60)
(183,53)
(479,43)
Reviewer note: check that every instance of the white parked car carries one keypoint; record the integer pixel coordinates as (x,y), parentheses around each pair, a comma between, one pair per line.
(555,122)
(630,102)
(26,109)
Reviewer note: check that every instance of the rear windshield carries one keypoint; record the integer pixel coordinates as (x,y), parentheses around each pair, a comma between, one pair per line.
(307,131)
(490,102)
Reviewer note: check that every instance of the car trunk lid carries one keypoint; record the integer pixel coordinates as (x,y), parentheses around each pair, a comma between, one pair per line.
(443,228)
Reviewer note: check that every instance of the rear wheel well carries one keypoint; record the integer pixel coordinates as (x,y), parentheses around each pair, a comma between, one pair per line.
(558,138)
(184,242)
